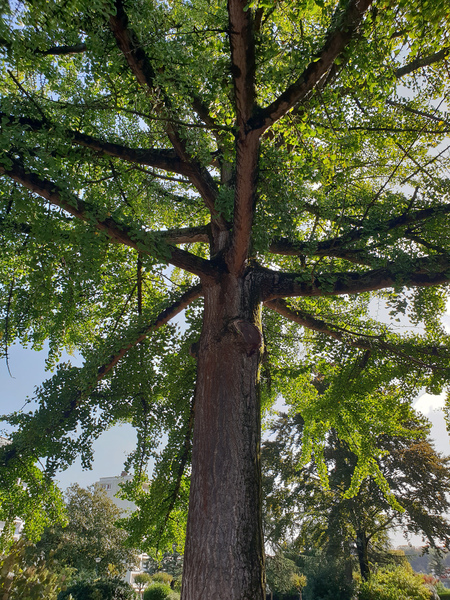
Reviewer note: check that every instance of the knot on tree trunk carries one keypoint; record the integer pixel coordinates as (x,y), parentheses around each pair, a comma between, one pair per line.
(249,333)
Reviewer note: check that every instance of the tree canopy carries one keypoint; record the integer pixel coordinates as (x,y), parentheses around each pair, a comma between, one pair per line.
(299,510)
(90,542)
(277,171)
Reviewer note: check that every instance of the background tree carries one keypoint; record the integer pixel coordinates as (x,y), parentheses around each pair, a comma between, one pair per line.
(281,574)
(267,153)
(91,533)
(141,581)
(19,579)
(299,506)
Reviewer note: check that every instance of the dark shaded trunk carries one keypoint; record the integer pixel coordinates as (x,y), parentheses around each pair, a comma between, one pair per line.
(362,544)
(224,557)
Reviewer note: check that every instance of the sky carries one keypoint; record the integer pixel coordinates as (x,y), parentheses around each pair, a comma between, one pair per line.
(28,371)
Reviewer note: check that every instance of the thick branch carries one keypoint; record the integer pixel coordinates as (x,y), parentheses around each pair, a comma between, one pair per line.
(423,272)
(142,69)
(418,63)
(337,246)
(242,45)
(140,240)
(163,159)
(164,317)
(337,40)
(247,150)
(186,235)
(54,50)
(287,247)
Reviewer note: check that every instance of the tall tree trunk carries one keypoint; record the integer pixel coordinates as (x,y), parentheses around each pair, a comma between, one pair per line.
(362,544)
(224,555)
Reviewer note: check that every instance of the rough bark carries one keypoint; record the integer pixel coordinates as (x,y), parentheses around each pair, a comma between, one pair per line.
(224,556)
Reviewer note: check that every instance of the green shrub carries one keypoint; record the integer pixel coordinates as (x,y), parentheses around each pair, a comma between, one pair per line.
(158,591)
(326,579)
(102,589)
(444,595)
(400,583)
(176,584)
(162,577)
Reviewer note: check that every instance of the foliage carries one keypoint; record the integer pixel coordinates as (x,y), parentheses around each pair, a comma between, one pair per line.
(158,591)
(101,589)
(141,581)
(167,562)
(162,577)
(326,579)
(282,575)
(289,156)
(437,564)
(396,584)
(20,580)
(91,533)
(418,477)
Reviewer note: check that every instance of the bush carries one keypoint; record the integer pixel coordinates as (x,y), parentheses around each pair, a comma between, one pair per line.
(176,583)
(162,577)
(102,589)
(158,591)
(400,583)
(326,579)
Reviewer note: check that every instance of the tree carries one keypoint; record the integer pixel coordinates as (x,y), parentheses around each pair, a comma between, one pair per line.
(282,575)
(141,581)
(90,534)
(19,579)
(265,153)
(418,478)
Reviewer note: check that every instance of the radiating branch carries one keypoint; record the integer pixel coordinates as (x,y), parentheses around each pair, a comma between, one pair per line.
(419,63)
(339,246)
(12,452)
(422,272)
(139,239)
(142,68)
(53,50)
(164,317)
(186,235)
(164,159)
(347,24)
(356,339)
(286,247)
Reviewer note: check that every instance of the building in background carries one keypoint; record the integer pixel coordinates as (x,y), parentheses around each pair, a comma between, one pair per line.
(111,485)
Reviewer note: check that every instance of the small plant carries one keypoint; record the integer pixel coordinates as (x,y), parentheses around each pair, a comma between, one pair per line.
(158,591)
(141,581)
(162,577)
(101,589)
(400,583)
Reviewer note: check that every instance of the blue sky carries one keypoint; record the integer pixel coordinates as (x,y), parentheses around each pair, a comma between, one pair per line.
(28,371)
